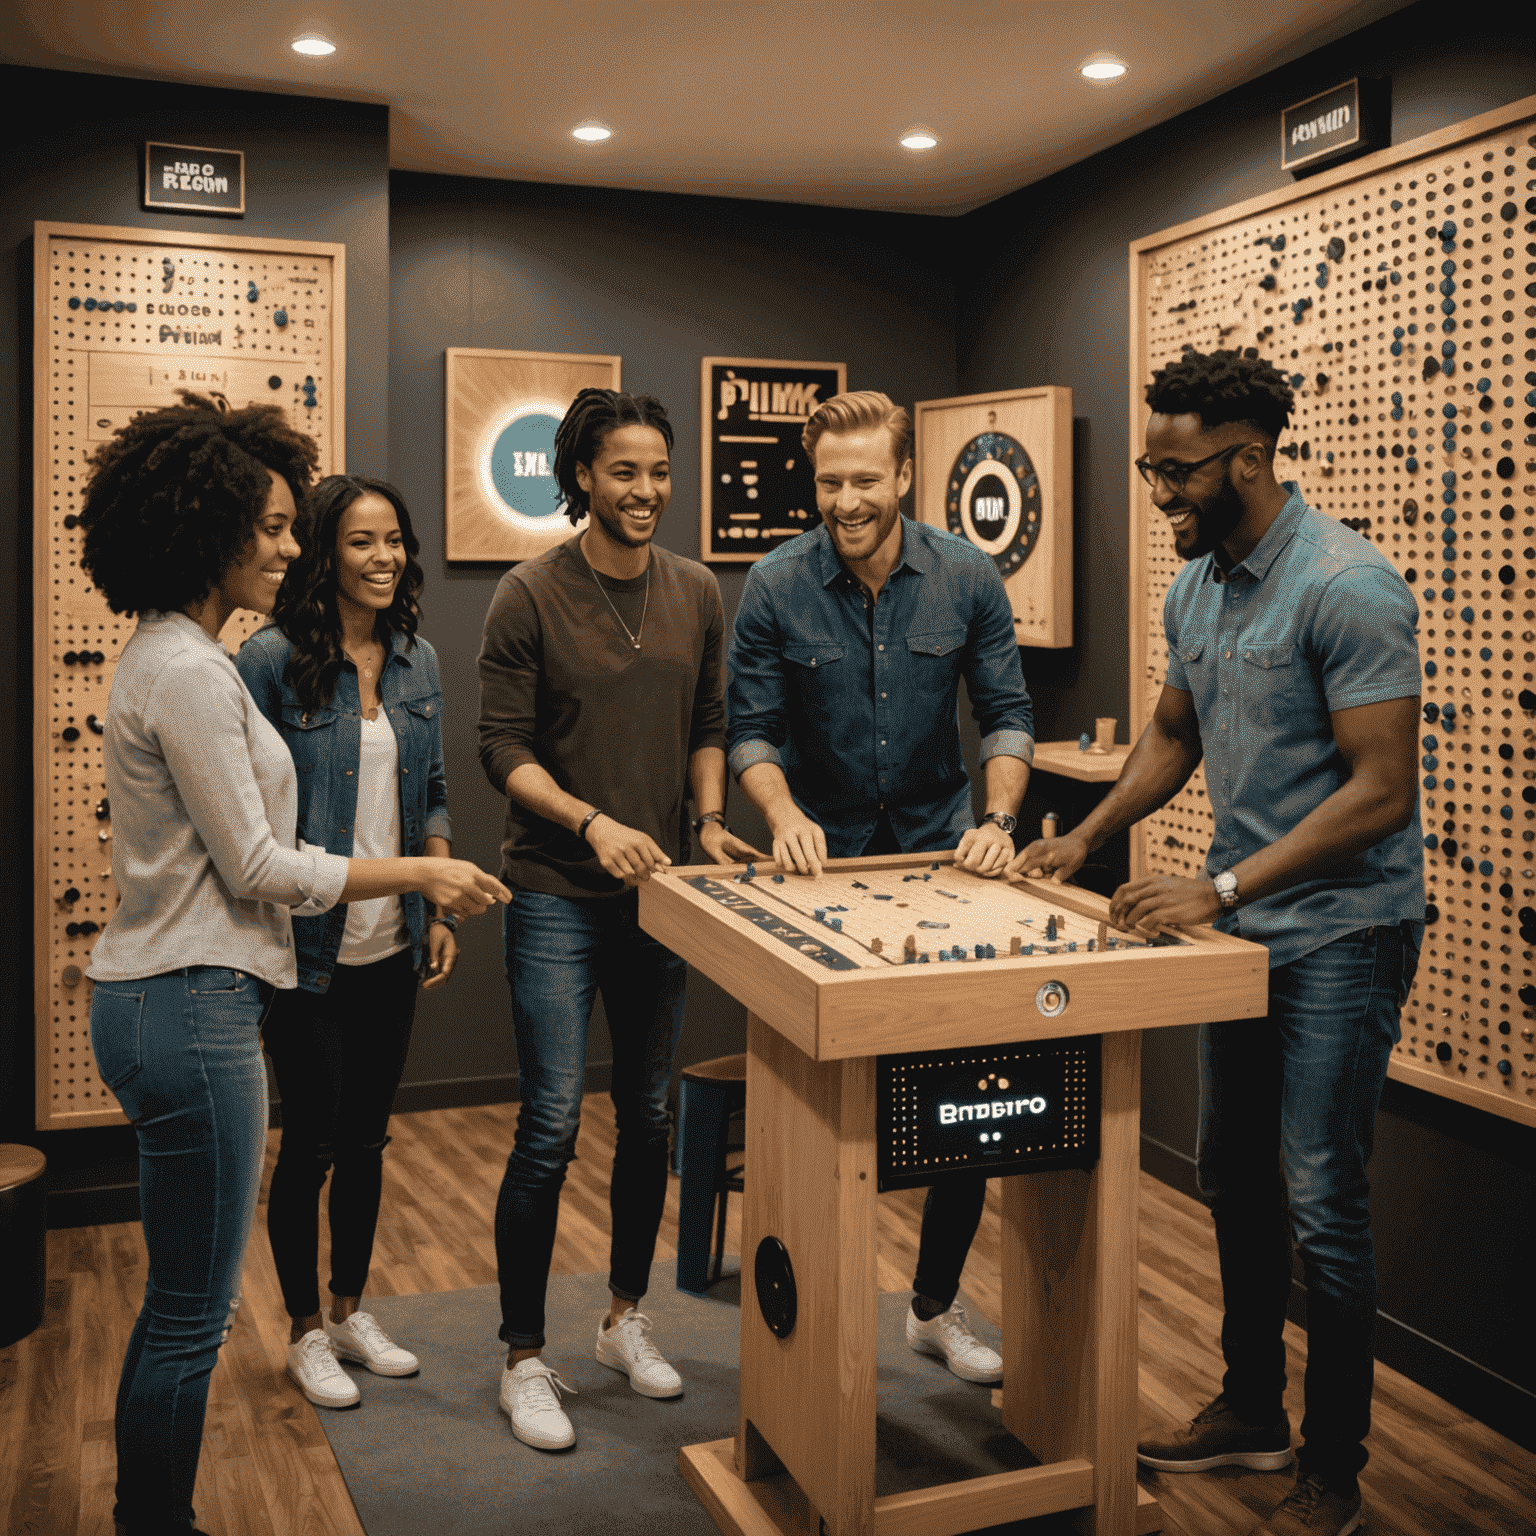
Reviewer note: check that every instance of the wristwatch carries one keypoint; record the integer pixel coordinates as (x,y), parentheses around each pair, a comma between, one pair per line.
(1226,889)
(1002,819)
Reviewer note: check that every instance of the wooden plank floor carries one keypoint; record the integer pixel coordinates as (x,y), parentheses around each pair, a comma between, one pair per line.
(268,1471)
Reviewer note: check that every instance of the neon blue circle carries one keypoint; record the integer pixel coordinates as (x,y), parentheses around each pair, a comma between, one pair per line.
(535,494)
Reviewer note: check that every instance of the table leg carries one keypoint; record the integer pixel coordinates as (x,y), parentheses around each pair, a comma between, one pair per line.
(808,1400)
(1069,1302)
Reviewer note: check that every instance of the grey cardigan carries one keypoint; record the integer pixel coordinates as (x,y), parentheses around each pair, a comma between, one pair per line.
(204,802)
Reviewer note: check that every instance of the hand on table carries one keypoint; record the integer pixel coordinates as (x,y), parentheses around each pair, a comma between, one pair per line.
(442,953)
(627,854)
(798,843)
(1058,857)
(985,850)
(725,847)
(1161,902)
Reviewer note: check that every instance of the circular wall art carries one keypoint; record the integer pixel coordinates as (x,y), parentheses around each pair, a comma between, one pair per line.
(517,465)
(993,499)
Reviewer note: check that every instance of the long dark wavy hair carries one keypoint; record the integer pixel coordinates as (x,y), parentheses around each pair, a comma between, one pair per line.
(306,610)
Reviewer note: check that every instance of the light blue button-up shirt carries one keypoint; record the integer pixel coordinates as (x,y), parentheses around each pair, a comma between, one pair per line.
(859,707)
(1314,620)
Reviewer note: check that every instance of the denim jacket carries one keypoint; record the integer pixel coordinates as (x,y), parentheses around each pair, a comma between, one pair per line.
(327,746)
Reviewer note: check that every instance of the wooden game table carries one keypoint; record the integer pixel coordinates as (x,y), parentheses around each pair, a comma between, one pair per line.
(827,995)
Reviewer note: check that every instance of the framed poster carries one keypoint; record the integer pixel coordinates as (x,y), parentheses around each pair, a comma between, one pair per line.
(756,488)
(997,470)
(122,318)
(502,502)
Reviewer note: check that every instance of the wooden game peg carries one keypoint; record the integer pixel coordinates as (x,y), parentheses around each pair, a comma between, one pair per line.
(1048,824)
(1014,945)
(1104,736)
(909,949)
(875,946)
(1103,934)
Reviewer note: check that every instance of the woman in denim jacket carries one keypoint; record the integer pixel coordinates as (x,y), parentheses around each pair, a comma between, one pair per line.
(343,675)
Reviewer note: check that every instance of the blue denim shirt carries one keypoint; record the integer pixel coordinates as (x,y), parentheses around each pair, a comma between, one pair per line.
(1314,620)
(861,714)
(327,746)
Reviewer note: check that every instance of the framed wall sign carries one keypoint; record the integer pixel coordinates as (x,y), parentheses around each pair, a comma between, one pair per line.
(187,178)
(1334,125)
(502,501)
(997,470)
(756,488)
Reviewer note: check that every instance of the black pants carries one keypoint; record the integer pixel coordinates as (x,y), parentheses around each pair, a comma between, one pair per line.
(950,1222)
(339,1056)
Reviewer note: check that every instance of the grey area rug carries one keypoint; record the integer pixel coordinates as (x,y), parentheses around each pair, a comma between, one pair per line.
(433,1453)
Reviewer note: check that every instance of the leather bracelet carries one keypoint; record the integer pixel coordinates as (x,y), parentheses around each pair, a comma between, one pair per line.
(586,821)
(718,817)
(447,919)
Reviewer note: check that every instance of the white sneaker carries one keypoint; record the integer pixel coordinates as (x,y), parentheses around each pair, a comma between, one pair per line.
(314,1367)
(530,1399)
(361,1339)
(624,1347)
(949,1336)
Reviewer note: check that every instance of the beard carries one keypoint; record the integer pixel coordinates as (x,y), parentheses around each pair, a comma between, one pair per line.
(1215,518)
(618,528)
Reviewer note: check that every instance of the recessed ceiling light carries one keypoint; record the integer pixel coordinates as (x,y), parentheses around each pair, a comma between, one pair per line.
(919,138)
(1102,67)
(592,132)
(313,47)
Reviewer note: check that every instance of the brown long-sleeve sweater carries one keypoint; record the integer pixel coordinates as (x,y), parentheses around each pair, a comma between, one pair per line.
(562,686)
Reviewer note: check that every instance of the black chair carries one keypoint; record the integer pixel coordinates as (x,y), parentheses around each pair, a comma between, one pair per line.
(713,1096)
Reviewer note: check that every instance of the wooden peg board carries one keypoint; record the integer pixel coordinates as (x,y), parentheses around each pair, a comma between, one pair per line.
(1364,244)
(122,318)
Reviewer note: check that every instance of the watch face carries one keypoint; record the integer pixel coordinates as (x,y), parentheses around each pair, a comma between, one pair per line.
(993,499)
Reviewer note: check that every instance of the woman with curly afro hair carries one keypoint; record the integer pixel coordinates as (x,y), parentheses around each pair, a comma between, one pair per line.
(188,517)
(354,691)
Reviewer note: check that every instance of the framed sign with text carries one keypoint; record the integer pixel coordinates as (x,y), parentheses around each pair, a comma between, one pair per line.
(756,488)
(502,500)
(997,469)
(1334,125)
(186,178)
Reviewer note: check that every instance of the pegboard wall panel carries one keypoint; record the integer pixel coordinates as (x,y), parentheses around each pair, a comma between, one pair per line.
(124,318)
(1399,294)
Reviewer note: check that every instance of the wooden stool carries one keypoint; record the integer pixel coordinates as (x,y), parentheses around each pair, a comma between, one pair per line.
(23,1241)
(711,1092)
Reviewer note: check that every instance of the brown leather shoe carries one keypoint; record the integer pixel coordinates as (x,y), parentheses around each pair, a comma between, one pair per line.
(1216,1437)
(1312,1508)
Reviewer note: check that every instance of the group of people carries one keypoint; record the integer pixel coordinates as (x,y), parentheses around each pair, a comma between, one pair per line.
(283,855)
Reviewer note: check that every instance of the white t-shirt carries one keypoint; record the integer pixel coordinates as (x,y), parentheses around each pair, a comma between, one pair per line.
(376,929)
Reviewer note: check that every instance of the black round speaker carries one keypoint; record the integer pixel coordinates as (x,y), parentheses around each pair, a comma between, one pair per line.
(775,1279)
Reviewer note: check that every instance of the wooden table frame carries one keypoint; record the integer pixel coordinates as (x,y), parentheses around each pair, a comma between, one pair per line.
(804,1452)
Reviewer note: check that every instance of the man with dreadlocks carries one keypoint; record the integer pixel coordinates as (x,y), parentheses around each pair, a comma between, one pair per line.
(602,720)
(1294,673)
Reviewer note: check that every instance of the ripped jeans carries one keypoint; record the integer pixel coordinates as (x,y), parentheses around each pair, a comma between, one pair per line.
(338,1057)
(1287,1117)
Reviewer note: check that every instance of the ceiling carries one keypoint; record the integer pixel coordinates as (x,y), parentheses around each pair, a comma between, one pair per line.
(780,99)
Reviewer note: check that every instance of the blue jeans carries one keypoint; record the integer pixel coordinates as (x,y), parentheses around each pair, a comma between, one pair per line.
(1287,1116)
(560,954)
(183,1055)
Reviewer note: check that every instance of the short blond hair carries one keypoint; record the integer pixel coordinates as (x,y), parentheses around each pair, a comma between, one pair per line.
(860,410)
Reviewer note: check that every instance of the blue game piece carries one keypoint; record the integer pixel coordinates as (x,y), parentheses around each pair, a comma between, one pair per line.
(252,293)
(1028,949)
(837,923)
(991,952)
(821,914)
(751,870)
(922,959)
(943,954)
(1050,928)
(934,865)
(883,896)
(859,885)
(778,879)
(1072,947)
(981,951)
(1084,742)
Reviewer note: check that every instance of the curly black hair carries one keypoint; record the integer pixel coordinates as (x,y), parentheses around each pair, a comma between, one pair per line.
(579,438)
(174,496)
(1222,387)
(305,610)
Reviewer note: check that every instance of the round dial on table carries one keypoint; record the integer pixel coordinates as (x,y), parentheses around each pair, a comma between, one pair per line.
(993,499)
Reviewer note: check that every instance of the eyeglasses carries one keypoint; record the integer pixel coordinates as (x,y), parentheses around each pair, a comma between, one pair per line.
(1176,475)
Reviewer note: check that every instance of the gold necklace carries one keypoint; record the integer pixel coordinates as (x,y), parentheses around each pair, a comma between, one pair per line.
(366,672)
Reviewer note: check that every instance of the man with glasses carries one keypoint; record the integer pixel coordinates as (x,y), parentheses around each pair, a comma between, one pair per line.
(1293,671)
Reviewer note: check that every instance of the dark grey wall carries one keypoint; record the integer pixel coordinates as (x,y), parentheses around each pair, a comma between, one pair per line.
(315,170)
(662,282)
(1048,305)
